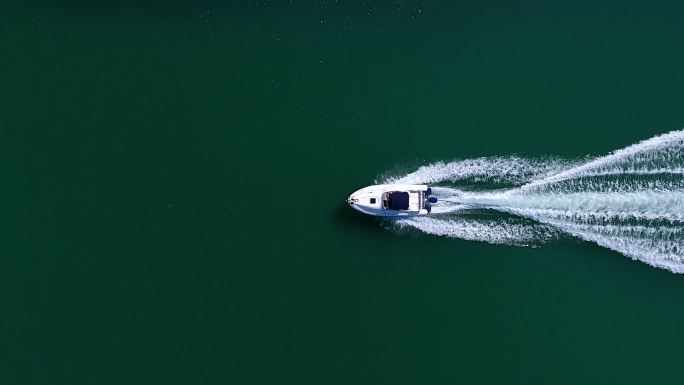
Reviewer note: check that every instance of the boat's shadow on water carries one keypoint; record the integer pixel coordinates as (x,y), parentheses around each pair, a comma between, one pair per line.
(346,216)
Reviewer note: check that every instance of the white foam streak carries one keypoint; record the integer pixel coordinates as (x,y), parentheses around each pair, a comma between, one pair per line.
(495,232)
(646,245)
(630,201)
(497,169)
(639,158)
(647,205)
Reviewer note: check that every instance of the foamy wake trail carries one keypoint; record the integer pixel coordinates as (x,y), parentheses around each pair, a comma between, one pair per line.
(630,201)
(509,232)
(500,169)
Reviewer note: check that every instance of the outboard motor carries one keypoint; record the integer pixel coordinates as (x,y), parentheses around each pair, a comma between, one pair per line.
(432,199)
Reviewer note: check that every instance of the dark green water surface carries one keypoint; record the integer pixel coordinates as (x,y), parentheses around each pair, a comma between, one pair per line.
(174,175)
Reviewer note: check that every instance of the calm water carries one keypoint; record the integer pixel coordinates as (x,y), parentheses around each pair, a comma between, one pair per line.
(174,179)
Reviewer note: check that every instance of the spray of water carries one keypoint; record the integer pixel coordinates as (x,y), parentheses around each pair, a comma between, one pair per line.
(630,201)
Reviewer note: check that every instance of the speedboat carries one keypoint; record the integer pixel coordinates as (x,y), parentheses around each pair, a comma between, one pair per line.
(393,200)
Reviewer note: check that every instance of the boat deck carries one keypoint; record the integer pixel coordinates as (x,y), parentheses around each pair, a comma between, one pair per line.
(415,200)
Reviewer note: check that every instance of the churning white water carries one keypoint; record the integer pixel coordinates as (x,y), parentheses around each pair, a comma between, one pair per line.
(630,201)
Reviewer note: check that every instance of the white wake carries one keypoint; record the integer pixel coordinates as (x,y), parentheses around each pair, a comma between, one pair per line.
(630,201)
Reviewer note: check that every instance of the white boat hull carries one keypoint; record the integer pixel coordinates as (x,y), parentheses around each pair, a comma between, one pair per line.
(391,200)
